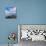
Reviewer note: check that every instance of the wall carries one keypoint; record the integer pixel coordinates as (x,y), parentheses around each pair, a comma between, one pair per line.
(32,11)
(28,12)
(6,25)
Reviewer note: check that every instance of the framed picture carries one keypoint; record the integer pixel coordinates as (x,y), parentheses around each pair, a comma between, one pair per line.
(32,32)
(10,12)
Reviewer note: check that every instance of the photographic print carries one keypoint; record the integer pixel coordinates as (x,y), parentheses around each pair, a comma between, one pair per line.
(10,12)
(31,33)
